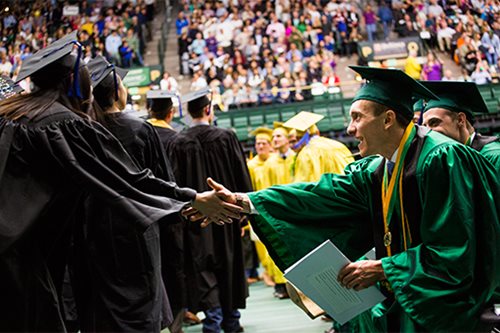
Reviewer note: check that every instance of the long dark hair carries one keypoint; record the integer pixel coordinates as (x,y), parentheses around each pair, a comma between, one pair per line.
(105,95)
(51,85)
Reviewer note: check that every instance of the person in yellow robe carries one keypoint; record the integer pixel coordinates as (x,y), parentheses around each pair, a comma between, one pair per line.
(279,169)
(256,166)
(260,180)
(316,155)
(280,165)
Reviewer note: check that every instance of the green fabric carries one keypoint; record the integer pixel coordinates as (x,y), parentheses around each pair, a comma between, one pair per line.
(310,219)
(418,105)
(449,104)
(385,95)
(383,85)
(441,284)
(491,152)
(457,97)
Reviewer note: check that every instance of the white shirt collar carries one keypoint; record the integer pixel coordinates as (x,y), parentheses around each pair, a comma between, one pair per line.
(197,122)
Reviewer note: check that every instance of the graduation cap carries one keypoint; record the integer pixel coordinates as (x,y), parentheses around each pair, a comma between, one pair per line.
(392,88)
(418,106)
(303,121)
(8,88)
(163,98)
(456,96)
(100,68)
(263,133)
(305,124)
(57,51)
(196,100)
(278,127)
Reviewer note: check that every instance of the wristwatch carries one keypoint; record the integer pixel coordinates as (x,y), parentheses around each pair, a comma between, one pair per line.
(239,199)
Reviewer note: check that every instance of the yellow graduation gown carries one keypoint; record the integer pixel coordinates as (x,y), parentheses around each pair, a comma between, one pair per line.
(321,155)
(279,172)
(258,173)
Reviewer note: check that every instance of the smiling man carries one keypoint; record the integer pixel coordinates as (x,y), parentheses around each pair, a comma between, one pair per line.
(453,116)
(428,204)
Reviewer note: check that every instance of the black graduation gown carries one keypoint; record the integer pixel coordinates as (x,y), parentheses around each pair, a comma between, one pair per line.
(47,165)
(172,246)
(124,291)
(214,259)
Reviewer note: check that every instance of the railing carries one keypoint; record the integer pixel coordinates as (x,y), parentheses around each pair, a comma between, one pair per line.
(165,29)
(336,112)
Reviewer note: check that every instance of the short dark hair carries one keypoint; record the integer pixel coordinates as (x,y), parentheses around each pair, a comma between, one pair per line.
(401,117)
(161,108)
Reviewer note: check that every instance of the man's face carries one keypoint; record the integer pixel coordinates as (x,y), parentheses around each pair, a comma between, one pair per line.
(442,121)
(292,139)
(367,128)
(280,139)
(263,147)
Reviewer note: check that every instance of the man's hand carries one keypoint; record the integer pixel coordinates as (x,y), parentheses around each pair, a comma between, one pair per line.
(209,204)
(221,191)
(239,199)
(361,274)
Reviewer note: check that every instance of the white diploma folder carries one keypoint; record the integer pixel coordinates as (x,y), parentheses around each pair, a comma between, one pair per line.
(316,276)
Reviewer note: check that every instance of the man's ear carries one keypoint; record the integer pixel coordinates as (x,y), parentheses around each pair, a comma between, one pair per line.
(390,119)
(462,119)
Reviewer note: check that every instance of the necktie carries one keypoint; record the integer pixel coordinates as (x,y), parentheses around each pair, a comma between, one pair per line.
(390,168)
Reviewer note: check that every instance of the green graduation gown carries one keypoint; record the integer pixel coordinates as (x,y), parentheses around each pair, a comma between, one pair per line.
(489,147)
(452,267)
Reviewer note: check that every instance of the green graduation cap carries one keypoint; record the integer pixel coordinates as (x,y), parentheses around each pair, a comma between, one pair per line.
(100,68)
(456,96)
(418,105)
(392,88)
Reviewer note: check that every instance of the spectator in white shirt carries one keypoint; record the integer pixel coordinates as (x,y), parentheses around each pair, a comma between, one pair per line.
(275,29)
(434,9)
(113,43)
(168,83)
(444,35)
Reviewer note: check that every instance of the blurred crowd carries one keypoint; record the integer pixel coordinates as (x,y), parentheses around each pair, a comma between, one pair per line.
(262,52)
(117,30)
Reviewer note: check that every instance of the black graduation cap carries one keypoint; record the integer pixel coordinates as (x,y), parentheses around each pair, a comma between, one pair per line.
(8,87)
(197,99)
(456,96)
(99,69)
(392,88)
(52,53)
(163,96)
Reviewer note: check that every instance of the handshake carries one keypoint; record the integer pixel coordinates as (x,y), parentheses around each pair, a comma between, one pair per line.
(219,206)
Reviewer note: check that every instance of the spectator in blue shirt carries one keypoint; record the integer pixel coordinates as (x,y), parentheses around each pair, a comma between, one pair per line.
(180,23)
(385,16)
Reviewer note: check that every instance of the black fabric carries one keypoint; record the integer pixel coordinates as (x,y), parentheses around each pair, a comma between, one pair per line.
(172,249)
(214,259)
(413,210)
(124,291)
(410,191)
(52,161)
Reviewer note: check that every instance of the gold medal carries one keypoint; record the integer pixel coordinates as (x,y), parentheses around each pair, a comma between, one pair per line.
(387,239)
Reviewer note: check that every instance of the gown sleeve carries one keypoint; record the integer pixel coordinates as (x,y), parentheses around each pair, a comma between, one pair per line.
(294,219)
(94,159)
(444,282)
(492,153)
